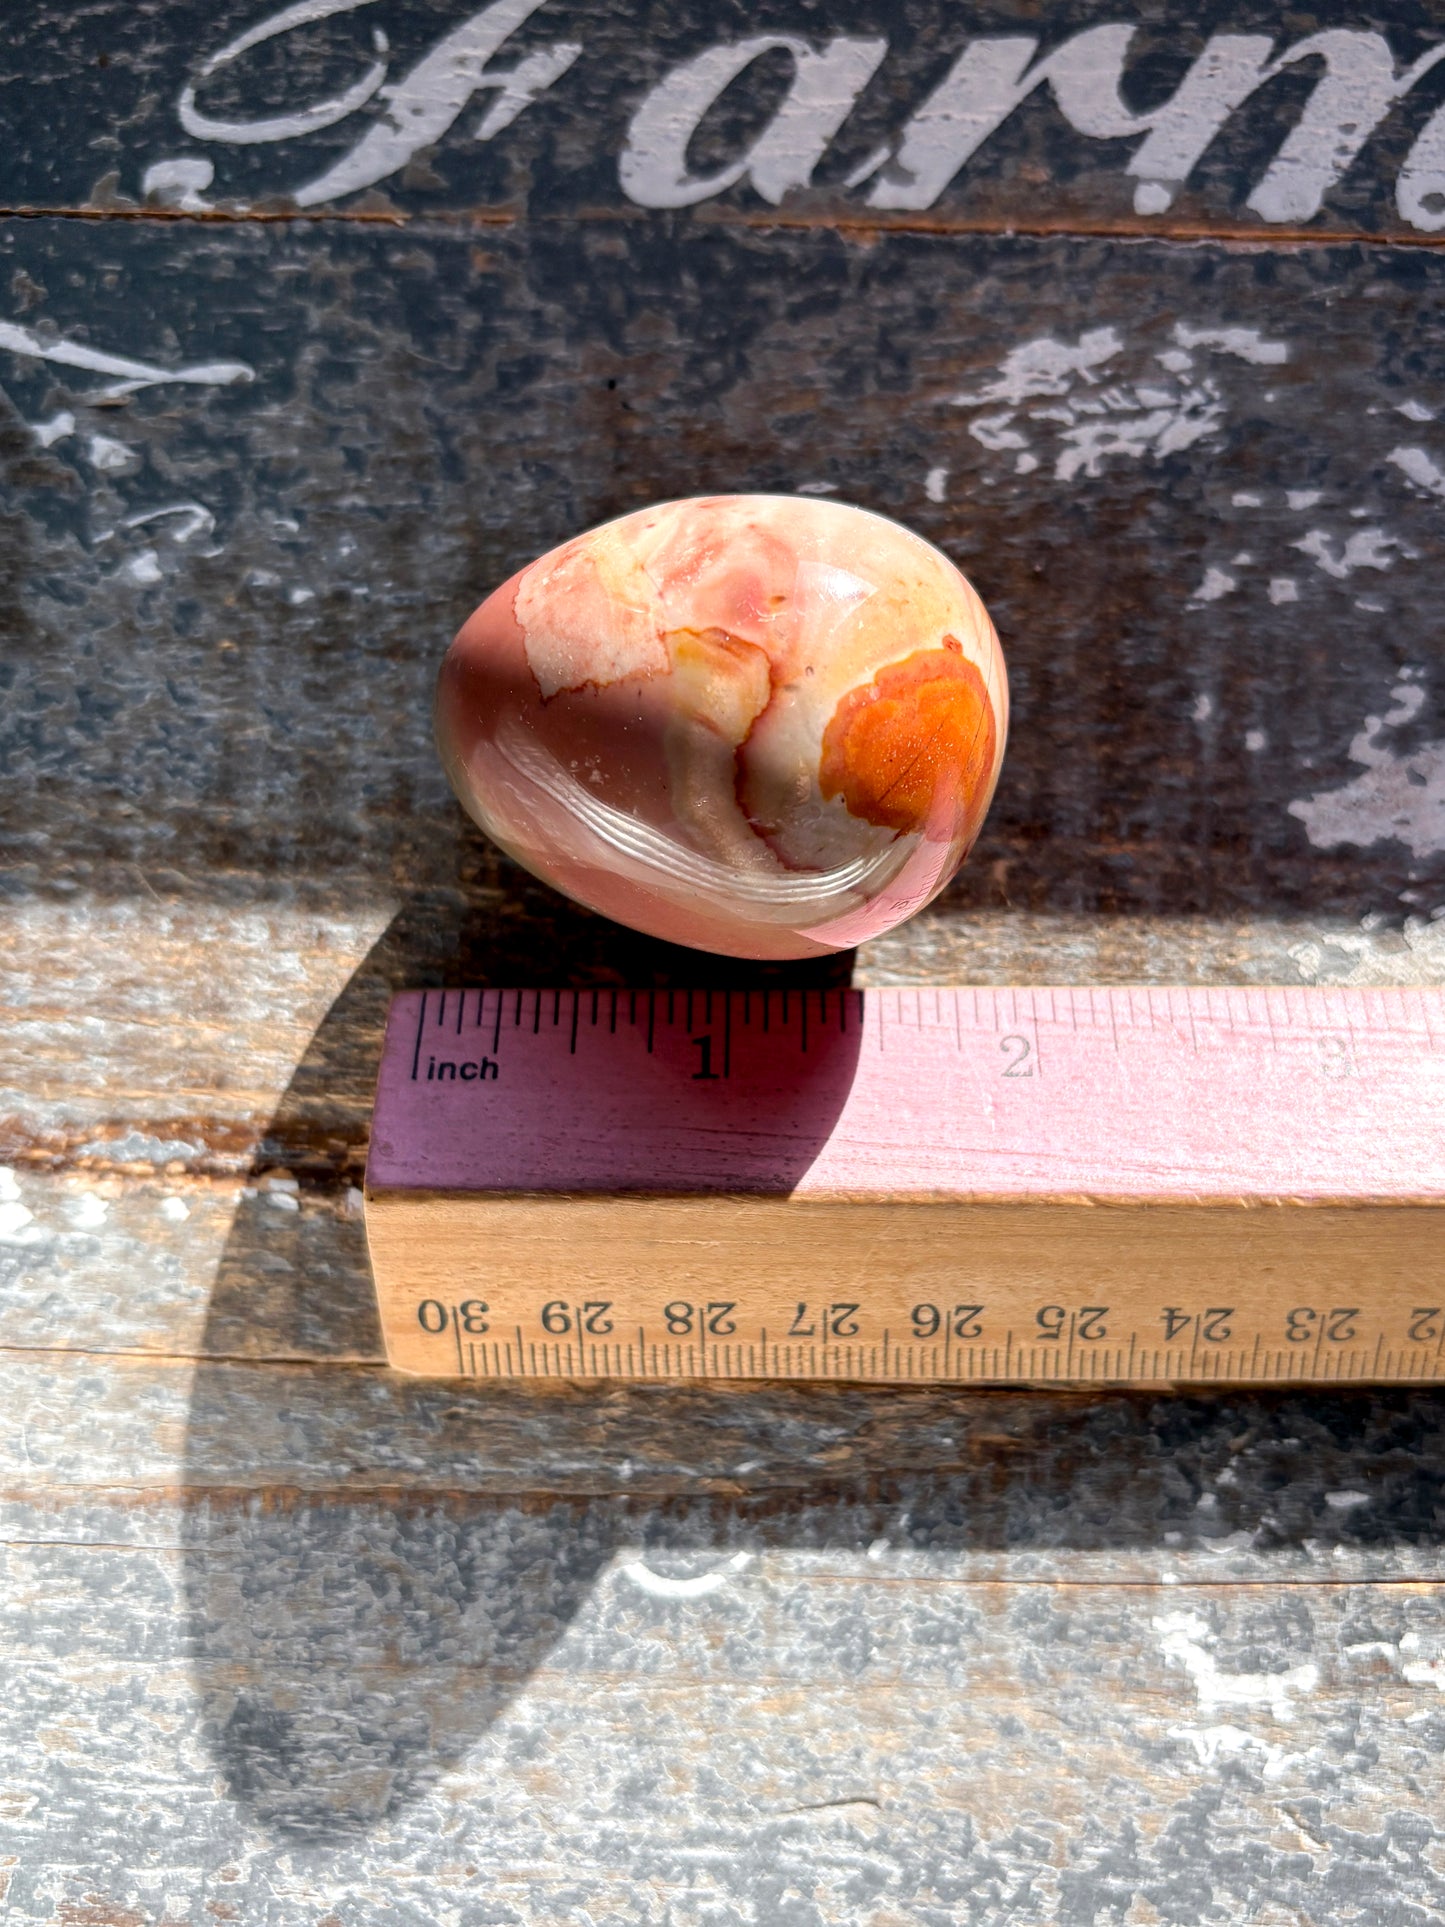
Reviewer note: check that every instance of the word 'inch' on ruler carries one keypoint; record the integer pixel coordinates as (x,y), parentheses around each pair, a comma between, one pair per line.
(1096,1186)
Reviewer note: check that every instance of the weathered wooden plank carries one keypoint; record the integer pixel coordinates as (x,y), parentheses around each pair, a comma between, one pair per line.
(1014,1476)
(1187,723)
(1155,118)
(665,1735)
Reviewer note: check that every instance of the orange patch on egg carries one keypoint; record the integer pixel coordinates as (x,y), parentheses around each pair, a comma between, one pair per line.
(921,730)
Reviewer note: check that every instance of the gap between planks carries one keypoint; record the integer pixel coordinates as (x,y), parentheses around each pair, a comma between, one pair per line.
(850,226)
(1173,1584)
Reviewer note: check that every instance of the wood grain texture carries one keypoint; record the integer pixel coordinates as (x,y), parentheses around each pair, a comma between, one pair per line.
(294,1640)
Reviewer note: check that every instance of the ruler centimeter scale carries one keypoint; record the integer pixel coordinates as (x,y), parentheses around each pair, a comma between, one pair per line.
(1042,1186)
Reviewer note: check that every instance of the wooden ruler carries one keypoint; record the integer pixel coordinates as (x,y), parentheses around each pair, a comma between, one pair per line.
(982,1186)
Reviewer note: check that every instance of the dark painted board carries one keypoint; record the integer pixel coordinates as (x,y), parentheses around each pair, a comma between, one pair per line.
(1320,119)
(1180,476)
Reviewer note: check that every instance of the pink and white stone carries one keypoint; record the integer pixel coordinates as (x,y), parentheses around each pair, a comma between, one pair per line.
(759,724)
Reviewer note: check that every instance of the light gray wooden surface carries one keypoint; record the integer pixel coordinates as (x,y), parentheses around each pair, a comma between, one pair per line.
(290,1641)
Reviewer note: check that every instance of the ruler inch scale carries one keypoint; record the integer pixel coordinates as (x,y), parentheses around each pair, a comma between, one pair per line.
(1055,1186)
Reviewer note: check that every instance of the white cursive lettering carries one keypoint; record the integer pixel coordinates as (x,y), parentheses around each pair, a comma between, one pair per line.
(423,106)
(1357,90)
(1355,86)
(282,127)
(986,83)
(991,78)
(133,375)
(1420,190)
(826,82)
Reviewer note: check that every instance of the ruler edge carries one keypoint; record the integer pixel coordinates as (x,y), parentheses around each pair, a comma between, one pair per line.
(918,1200)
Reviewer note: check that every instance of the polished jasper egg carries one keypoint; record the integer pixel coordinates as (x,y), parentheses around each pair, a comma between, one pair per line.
(759,724)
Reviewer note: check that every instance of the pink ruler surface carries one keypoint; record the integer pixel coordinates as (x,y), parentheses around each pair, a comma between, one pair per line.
(1135,1094)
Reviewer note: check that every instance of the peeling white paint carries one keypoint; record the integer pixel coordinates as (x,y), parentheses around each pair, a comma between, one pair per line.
(994,431)
(1046,367)
(1213,1743)
(133,375)
(1255,740)
(1398,798)
(175,1210)
(196,519)
(1182,1641)
(1216,583)
(1244,498)
(1162,431)
(1283,588)
(1303,498)
(55,430)
(109,456)
(1415,411)
(1354,957)
(136,1147)
(18,1226)
(180,183)
(1366,549)
(659,1586)
(87,1212)
(1421,468)
(1247,343)
(143,569)
(935,484)
(1087,404)
(1427,1671)
(1346,1501)
(817,488)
